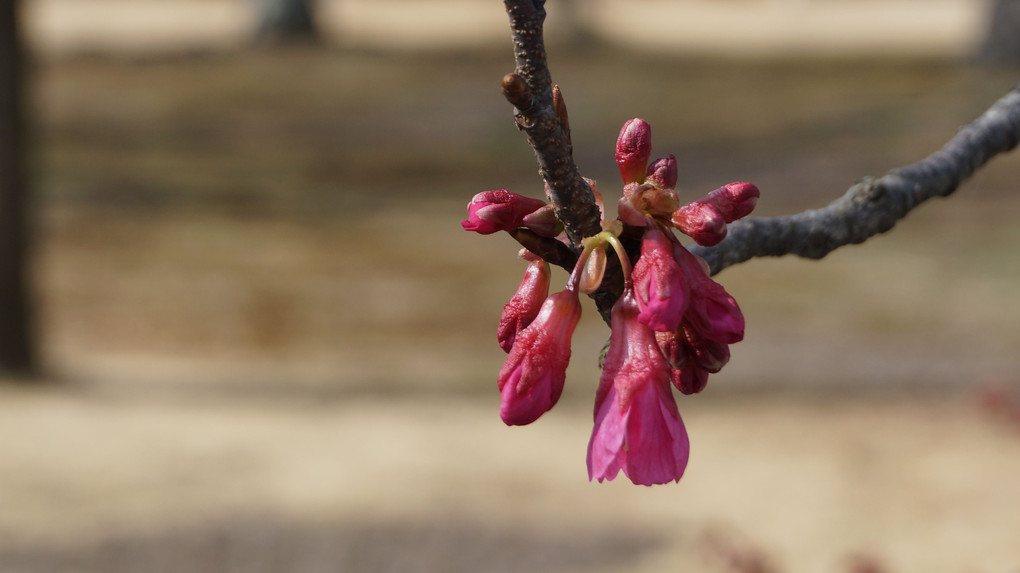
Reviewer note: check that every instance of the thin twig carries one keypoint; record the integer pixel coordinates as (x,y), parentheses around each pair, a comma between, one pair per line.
(529,88)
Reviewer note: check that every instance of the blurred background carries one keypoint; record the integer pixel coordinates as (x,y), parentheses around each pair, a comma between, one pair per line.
(259,340)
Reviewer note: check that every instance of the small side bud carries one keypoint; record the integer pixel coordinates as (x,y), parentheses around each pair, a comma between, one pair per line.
(700,221)
(598,196)
(561,111)
(516,91)
(663,172)
(633,148)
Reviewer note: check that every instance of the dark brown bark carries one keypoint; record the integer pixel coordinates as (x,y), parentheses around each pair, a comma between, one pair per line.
(536,116)
(17,354)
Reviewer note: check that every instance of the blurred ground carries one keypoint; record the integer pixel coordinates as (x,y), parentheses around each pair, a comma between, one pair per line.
(272,346)
(748,27)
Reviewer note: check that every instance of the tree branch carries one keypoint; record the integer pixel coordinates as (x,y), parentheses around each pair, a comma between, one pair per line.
(873,206)
(870,207)
(530,90)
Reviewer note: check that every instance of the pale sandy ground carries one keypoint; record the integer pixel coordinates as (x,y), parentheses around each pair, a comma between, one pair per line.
(923,486)
(944,27)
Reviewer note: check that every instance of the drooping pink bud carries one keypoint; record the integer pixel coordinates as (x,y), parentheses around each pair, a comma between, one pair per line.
(498,210)
(662,172)
(532,377)
(734,200)
(701,222)
(659,284)
(711,310)
(690,379)
(523,307)
(709,355)
(637,426)
(633,148)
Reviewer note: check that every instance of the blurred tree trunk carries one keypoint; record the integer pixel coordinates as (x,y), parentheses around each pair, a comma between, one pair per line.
(285,21)
(1002,37)
(17,354)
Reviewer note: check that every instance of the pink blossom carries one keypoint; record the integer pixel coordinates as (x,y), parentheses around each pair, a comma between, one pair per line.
(659,283)
(523,307)
(498,210)
(633,148)
(532,377)
(637,426)
(700,221)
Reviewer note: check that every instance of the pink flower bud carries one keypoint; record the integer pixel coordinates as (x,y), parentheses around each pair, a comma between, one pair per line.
(637,426)
(711,310)
(659,283)
(498,210)
(532,377)
(734,200)
(701,222)
(523,307)
(663,172)
(633,148)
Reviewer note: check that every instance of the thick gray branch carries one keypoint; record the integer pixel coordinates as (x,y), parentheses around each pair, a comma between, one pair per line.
(873,206)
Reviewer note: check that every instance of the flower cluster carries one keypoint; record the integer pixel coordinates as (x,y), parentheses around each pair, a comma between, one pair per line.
(672,325)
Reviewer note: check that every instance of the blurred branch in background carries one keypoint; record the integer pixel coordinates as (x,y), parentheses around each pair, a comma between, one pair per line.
(285,21)
(17,352)
(1002,37)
